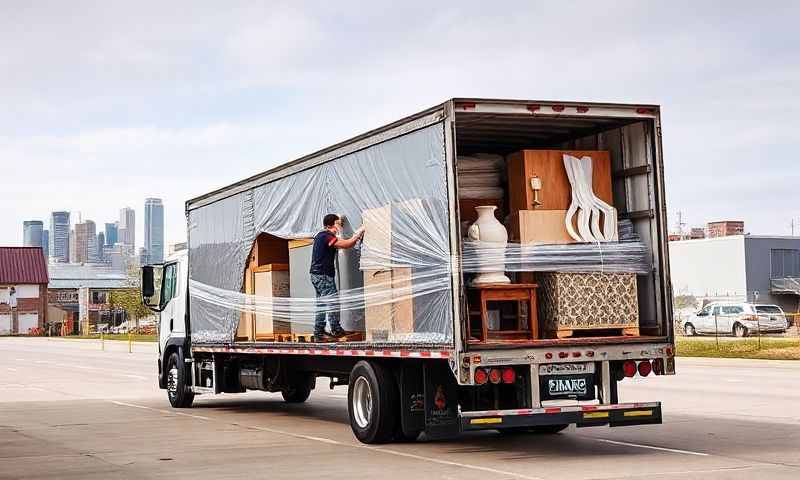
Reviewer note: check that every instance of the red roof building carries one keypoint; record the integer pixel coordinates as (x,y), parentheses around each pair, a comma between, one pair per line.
(23,290)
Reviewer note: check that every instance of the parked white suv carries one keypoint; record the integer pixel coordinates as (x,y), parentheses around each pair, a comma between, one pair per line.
(739,319)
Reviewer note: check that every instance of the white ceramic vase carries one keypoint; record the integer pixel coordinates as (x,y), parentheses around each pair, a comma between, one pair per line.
(492,239)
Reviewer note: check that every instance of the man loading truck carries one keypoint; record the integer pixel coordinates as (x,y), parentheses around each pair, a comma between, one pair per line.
(323,275)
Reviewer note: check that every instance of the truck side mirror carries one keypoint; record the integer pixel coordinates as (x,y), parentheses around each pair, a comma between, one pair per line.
(152,276)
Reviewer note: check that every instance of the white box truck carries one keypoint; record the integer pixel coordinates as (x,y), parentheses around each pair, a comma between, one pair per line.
(428,370)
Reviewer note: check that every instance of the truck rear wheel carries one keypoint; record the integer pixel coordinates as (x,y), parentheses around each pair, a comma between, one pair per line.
(372,403)
(178,392)
(299,391)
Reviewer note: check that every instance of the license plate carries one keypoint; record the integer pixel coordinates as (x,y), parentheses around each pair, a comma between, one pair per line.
(557,387)
(566,368)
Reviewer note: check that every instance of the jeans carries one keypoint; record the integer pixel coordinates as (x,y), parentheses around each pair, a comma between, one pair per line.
(327,294)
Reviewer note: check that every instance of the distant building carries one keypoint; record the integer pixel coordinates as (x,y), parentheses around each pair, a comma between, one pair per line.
(73,250)
(143,257)
(153,230)
(121,257)
(111,233)
(23,289)
(697,233)
(176,247)
(127,226)
(32,233)
(725,228)
(85,242)
(59,236)
(79,297)
(738,268)
(101,243)
(46,244)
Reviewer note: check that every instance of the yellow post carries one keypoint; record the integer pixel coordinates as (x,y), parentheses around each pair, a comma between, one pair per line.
(130,343)
(102,342)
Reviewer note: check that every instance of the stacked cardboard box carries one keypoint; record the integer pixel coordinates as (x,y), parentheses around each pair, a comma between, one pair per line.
(388,291)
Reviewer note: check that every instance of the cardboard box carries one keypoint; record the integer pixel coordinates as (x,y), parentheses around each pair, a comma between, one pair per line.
(271,283)
(380,223)
(543,226)
(586,301)
(389,303)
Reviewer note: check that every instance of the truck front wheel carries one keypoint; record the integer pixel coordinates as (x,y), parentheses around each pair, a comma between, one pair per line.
(372,402)
(178,392)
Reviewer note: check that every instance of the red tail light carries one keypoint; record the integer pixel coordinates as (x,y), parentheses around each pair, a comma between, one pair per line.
(495,376)
(629,368)
(481,376)
(645,368)
(658,366)
(508,375)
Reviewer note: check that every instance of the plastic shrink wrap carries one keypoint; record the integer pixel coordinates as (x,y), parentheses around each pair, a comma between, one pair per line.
(398,190)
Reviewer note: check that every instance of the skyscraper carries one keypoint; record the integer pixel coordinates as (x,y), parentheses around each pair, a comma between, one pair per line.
(85,242)
(127,226)
(154,230)
(32,233)
(111,233)
(101,242)
(59,236)
(46,244)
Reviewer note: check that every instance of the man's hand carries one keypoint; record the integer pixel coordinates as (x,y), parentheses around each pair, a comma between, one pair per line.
(360,232)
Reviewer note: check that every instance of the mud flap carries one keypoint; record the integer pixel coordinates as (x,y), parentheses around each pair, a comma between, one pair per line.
(412,398)
(441,401)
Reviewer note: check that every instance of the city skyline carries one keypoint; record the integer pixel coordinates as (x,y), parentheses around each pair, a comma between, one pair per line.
(77,237)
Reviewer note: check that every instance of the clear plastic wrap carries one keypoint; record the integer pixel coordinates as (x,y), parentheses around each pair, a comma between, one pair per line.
(396,285)
(397,188)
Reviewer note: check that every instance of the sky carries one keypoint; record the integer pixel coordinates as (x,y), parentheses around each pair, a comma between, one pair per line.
(103,104)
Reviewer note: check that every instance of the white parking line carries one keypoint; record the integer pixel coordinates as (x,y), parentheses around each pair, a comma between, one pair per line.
(330,441)
(336,395)
(650,447)
(11,369)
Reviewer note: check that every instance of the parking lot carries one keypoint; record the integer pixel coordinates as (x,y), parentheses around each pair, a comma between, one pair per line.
(70,410)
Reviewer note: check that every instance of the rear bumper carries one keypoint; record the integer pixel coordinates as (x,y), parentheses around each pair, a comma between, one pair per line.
(617,415)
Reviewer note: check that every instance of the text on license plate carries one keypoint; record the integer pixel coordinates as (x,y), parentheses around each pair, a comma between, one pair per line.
(566,368)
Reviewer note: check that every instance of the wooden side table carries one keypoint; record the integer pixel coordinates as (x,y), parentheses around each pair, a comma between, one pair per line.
(507,292)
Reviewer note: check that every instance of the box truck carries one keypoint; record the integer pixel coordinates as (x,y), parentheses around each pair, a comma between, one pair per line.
(454,324)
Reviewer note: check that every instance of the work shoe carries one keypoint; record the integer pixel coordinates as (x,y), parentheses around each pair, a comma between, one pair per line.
(341,333)
(324,338)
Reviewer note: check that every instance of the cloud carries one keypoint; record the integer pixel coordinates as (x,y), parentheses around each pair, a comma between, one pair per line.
(106,103)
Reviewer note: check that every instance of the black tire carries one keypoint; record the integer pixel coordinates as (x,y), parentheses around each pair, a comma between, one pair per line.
(689,330)
(739,330)
(374,420)
(178,391)
(299,391)
(539,429)
(400,436)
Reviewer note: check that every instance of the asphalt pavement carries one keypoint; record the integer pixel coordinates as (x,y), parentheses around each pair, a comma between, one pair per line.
(71,410)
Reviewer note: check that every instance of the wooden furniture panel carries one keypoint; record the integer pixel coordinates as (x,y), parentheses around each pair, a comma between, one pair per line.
(556,192)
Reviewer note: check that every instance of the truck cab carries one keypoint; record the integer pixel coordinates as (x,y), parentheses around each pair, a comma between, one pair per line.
(164,289)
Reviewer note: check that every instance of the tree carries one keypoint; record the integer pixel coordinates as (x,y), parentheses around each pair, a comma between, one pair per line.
(684,301)
(129,300)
